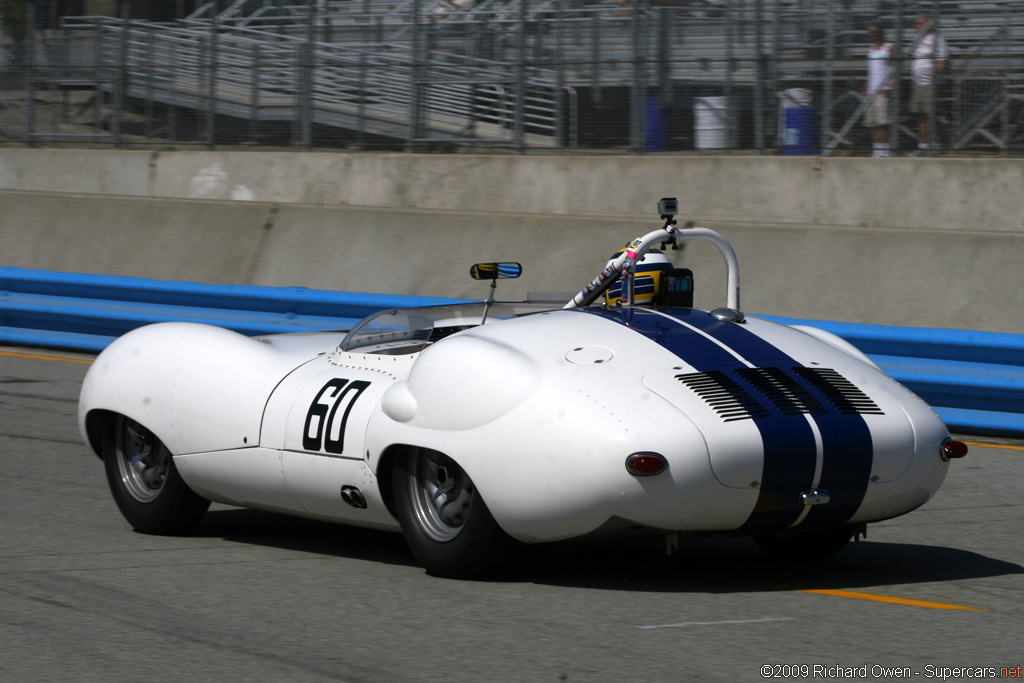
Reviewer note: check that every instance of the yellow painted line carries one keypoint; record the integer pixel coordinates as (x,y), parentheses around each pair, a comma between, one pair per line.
(894,601)
(11,354)
(994,445)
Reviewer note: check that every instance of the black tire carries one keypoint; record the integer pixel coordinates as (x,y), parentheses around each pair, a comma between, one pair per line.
(806,544)
(145,483)
(445,521)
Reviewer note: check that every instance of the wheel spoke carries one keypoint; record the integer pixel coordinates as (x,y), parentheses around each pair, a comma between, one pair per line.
(142,460)
(441,495)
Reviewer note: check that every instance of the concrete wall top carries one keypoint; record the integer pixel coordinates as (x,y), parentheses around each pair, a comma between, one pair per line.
(934,194)
(76,170)
(983,195)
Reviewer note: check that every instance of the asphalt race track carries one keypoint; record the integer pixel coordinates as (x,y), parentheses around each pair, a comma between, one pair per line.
(253,596)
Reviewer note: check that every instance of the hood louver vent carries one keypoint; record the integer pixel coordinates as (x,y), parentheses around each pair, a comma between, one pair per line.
(803,391)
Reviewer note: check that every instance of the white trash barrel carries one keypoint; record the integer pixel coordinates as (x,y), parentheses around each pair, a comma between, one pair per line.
(711,123)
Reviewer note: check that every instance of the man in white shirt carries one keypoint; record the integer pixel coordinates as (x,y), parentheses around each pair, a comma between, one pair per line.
(930,57)
(878,86)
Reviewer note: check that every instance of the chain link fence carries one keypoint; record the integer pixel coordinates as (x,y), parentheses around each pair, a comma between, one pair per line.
(638,76)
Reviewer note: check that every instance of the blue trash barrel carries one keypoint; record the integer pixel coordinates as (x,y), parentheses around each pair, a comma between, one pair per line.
(801,136)
(655,128)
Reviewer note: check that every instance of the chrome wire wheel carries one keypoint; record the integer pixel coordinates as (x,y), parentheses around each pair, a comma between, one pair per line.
(142,460)
(441,495)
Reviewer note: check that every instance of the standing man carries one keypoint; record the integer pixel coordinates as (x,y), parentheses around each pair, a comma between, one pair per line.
(930,56)
(878,87)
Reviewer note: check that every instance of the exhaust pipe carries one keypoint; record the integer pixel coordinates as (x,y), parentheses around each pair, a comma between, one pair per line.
(354,497)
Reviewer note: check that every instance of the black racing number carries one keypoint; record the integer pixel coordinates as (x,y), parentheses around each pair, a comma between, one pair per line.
(321,431)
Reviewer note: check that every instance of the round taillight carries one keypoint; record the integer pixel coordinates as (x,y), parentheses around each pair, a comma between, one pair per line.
(646,464)
(953,449)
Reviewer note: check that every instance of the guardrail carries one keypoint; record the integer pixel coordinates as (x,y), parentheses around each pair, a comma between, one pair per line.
(974,380)
(86,312)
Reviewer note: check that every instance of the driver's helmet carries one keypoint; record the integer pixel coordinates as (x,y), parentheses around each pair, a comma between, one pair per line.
(647,282)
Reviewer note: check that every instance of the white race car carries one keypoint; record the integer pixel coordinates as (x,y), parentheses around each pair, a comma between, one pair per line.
(471,427)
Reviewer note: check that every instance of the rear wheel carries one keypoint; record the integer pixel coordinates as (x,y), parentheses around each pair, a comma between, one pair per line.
(445,521)
(806,544)
(145,483)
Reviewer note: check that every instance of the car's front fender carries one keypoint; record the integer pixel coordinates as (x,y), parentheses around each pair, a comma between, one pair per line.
(197,387)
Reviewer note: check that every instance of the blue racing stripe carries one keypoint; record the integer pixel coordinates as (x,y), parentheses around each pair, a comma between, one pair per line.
(689,345)
(788,440)
(790,453)
(846,439)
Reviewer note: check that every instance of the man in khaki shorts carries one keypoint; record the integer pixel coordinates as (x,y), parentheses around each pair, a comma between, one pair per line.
(930,57)
(878,86)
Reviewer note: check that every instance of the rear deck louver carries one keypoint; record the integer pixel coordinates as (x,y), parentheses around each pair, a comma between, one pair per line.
(839,391)
(749,393)
(782,390)
(724,395)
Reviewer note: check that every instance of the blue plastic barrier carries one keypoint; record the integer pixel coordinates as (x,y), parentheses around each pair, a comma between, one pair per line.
(975,380)
(924,342)
(86,312)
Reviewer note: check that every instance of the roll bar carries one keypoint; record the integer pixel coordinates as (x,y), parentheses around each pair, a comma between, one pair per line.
(623,265)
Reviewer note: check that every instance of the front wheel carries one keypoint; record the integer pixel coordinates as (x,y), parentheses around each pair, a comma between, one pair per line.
(445,521)
(145,483)
(806,545)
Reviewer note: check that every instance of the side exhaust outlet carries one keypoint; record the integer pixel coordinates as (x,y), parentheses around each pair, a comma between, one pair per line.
(354,497)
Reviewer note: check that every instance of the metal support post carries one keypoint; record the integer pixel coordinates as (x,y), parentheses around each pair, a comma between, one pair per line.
(254,94)
(638,99)
(759,76)
(211,92)
(595,58)
(100,100)
(306,72)
(150,63)
(936,39)
(1004,76)
(663,61)
(172,109)
(519,132)
(830,54)
(730,110)
(429,45)
(776,44)
(121,82)
(560,74)
(30,75)
(895,105)
(414,80)
(361,105)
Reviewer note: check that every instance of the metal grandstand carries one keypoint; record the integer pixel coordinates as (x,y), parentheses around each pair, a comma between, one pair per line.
(521,74)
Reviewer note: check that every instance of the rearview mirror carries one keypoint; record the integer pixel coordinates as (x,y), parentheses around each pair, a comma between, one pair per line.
(496,271)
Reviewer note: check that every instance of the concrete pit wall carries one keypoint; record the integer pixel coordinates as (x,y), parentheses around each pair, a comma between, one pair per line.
(925,242)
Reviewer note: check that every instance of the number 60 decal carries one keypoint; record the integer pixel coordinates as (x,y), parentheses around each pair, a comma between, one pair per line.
(321,432)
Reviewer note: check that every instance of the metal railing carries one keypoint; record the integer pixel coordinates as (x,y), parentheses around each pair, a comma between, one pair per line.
(704,75)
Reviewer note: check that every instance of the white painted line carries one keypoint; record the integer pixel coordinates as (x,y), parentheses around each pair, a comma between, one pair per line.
(715,623)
